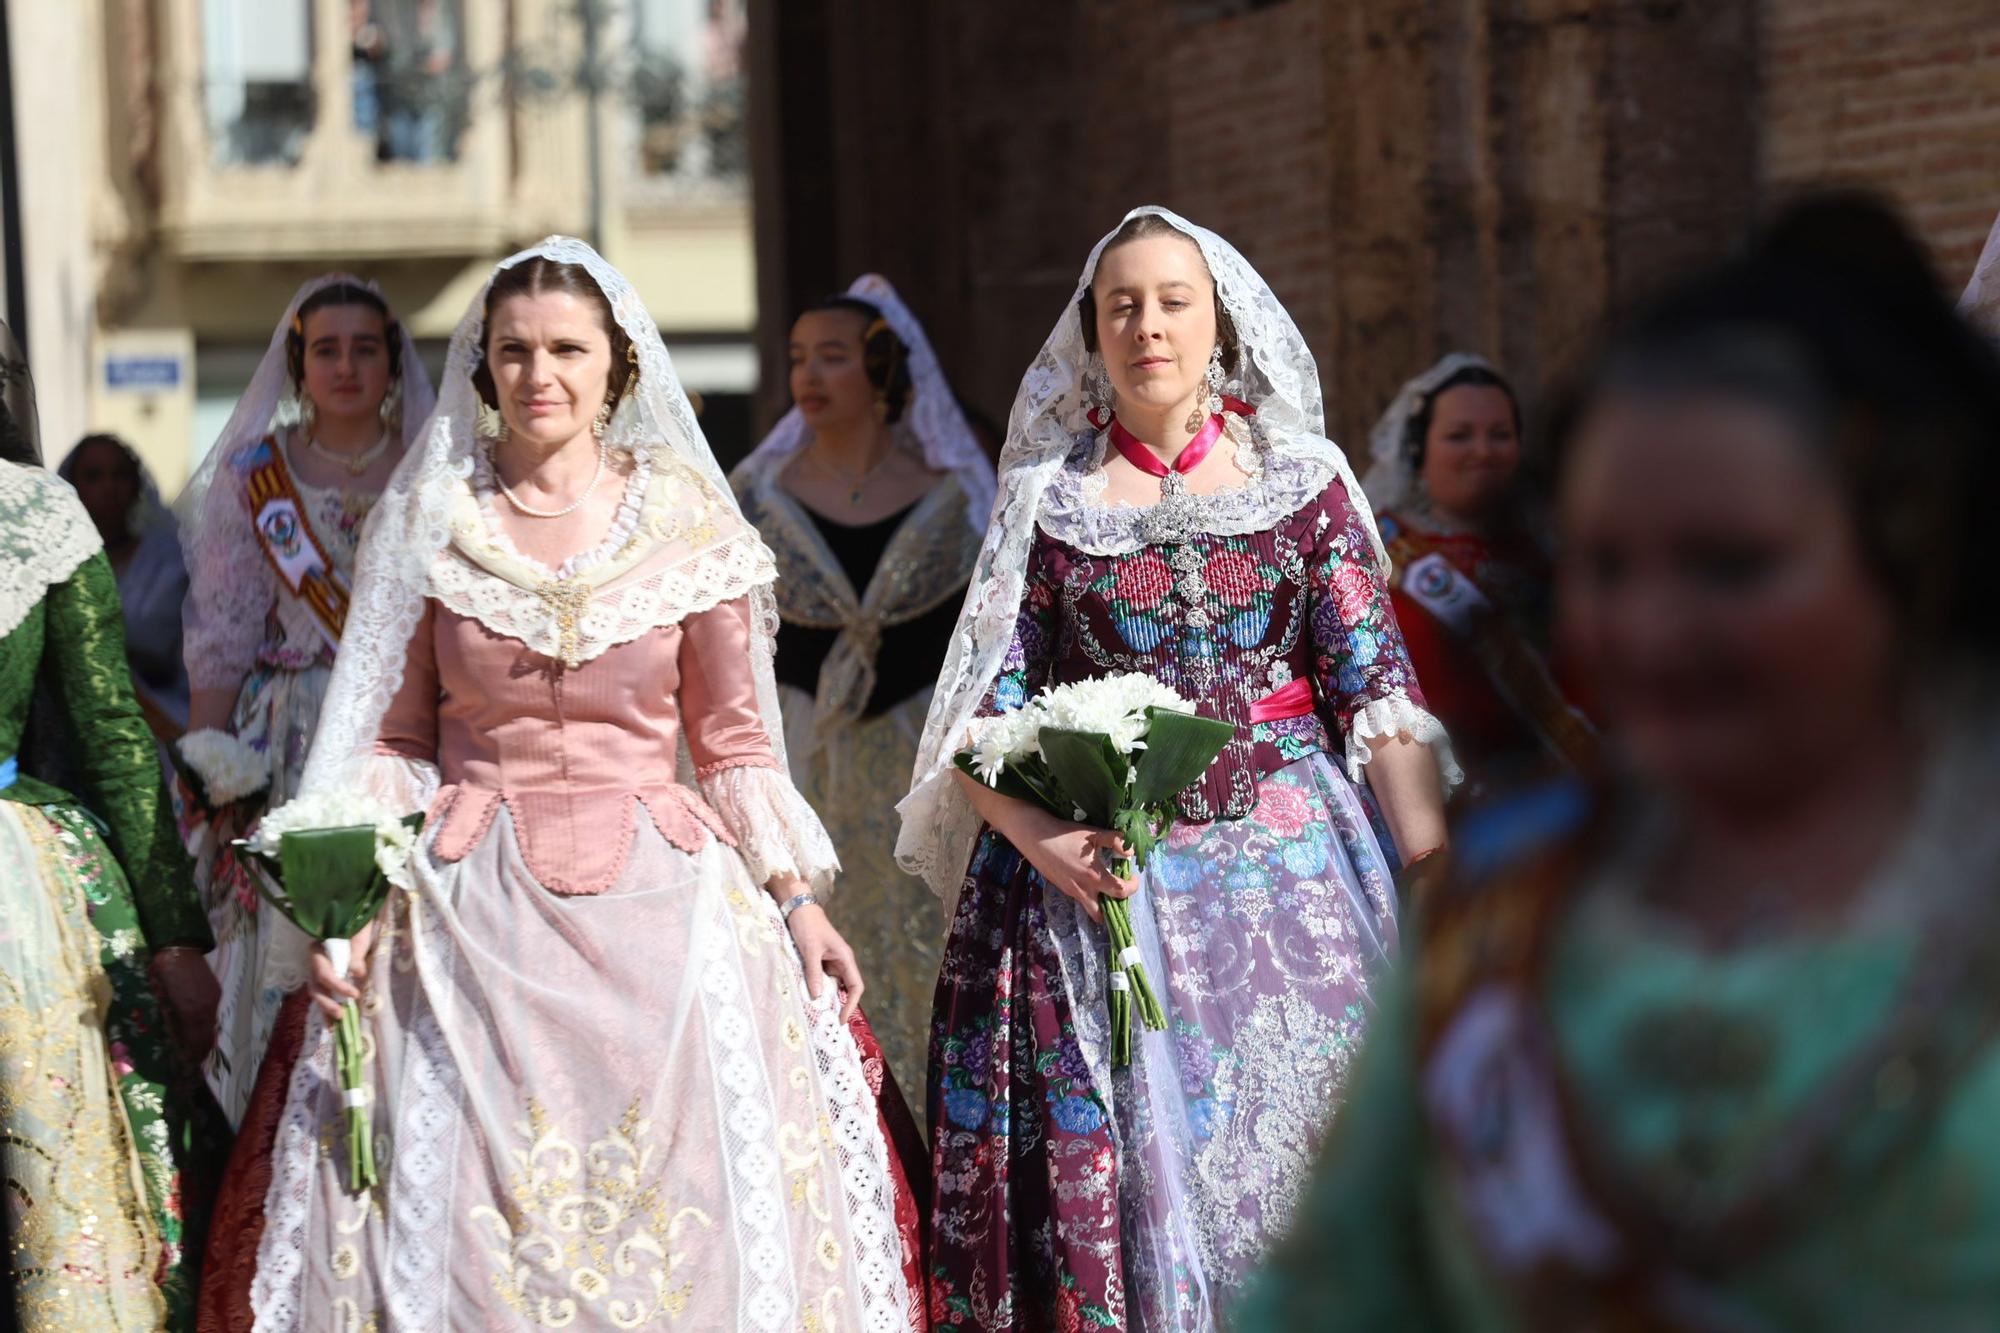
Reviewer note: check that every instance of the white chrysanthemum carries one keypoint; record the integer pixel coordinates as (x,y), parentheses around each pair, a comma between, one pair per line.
(330,810)
(1004,739)
(1113,705)
(228,766)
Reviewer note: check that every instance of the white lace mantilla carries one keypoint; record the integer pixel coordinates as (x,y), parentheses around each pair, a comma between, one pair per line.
(776,832)
(1074,510)
(677,555)
(44,535)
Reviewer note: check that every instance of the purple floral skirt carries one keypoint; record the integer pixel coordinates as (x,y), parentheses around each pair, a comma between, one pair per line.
(1070,1196)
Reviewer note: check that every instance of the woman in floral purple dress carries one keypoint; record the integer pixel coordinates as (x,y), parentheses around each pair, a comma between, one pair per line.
(1168,505)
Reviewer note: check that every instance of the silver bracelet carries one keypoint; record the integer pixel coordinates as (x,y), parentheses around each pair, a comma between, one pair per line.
(794,903)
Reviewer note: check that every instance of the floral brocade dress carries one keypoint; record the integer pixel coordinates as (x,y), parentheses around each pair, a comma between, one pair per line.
(103,1224)
(1072,1195)
(244,624)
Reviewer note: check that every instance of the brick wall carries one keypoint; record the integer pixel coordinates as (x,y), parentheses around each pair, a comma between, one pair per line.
(1409,175)
(1897,95)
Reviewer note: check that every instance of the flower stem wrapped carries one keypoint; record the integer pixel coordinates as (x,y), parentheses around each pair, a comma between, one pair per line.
(328,863)
(1113,752)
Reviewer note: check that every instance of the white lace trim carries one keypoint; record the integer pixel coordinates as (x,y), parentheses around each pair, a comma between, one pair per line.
(750,1153)
(1074,510)
(865,1178)
(776,832)
(616,615)
(45,534)
(428,1120)
(1396,715)
(277,1294)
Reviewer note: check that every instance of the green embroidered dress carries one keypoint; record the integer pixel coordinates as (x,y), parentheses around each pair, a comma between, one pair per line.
(1576,1116)
(93,1143)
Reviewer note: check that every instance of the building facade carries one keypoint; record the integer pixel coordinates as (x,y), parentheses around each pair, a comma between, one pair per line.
(185,164)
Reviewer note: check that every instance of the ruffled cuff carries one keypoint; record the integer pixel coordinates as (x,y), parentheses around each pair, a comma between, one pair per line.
(775,830)
(1395,715)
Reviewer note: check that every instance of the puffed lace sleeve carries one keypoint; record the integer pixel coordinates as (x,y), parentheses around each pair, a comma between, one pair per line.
(1360,660)
(231,588)
(775,830)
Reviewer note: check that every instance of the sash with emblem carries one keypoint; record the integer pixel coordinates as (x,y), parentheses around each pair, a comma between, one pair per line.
(1517,672)
(285,533)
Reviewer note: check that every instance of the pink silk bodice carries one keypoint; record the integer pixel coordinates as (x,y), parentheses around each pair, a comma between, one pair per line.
(576,752)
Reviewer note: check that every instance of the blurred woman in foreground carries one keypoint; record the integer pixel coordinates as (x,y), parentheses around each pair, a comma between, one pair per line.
(1715,1049)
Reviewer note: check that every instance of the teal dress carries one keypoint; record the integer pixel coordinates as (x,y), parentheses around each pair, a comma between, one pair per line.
(98,1143)
(1576,1116)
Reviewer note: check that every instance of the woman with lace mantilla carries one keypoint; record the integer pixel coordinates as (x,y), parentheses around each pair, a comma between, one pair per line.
(1169,505)
(1471,583)
(270,523)
(611,986)
(873,494)
(106,1187)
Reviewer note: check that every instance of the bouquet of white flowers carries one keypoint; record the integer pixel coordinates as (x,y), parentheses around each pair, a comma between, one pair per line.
(219,769)
(1114,752)
(328,862)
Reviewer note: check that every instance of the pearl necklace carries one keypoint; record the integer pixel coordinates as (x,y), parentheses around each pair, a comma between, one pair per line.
(356,464)
(569,508)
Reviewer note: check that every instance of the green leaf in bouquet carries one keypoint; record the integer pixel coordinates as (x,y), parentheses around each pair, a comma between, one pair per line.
(1014,781)
(327,880)
(332,886)
(1136,825)
(1084,772)
(1179,749)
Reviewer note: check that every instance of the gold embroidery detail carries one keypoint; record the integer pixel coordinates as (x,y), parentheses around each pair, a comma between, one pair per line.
(589,1228)
(567,600)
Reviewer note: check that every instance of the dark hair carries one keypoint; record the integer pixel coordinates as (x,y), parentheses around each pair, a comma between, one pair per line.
(1139,229)
(1836,319)
(331,296)
(15,446)
(69,464)
(540,275)
(883,354)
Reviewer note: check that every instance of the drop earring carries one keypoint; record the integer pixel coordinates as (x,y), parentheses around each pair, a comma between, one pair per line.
(1210,401)
(1097,395)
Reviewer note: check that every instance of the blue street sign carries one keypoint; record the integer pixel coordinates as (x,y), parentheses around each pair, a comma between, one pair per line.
(142,373)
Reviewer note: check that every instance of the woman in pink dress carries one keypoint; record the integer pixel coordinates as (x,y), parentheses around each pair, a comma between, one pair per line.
(606,1022)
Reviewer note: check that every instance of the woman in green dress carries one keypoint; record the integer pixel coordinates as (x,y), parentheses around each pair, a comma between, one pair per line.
(1717,1048)
(96,902)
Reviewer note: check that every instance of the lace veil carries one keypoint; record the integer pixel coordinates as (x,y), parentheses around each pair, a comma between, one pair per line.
(1047,469)
(412,524)
(932,422)
(1391,482)
(1981,302)
(267,404)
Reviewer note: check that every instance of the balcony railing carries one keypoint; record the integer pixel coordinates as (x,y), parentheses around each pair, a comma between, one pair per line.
(362,156)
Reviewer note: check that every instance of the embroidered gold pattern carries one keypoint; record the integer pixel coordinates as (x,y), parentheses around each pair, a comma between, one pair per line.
(589,1234)
(567,600)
